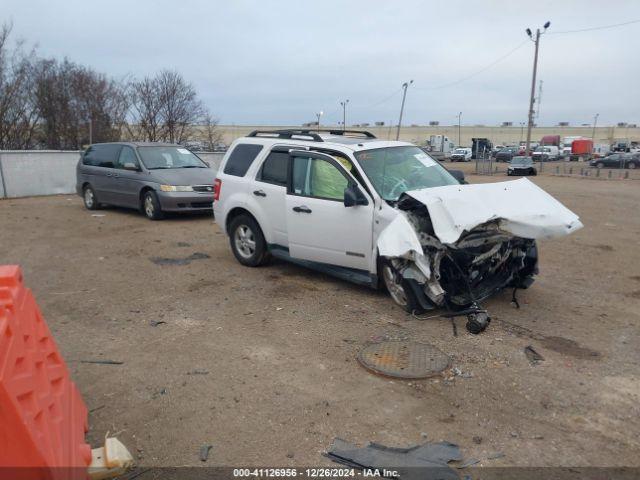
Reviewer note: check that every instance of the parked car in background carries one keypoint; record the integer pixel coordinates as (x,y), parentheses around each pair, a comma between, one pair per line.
(617,160)
(545,153)
(521,166)
(461,155)
(506,154)
(496,149)
(151,177)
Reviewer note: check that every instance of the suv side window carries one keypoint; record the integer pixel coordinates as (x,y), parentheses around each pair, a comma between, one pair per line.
(241,159)
(102,155)
(274,168)
(127,155)
(312,177)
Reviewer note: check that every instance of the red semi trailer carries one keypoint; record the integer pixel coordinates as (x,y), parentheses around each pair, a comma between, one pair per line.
(581,150)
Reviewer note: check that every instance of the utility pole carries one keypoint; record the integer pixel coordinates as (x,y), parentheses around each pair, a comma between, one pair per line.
(344,114)
(405,85)
(593,132)
(539,101)
(533,83)
(318,115)
(459,117)
(90,130)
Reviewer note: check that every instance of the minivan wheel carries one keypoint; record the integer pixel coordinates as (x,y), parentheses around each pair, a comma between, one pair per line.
(151,206)
(247,241)
(90,199)
(599,165)
(399,289)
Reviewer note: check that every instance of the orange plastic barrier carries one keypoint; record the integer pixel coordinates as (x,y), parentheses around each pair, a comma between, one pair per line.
(43,419)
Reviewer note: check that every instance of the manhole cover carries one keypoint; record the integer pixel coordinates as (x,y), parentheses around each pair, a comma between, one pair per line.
(403,359)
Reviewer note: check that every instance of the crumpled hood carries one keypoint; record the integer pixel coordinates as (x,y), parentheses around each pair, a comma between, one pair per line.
(520,206)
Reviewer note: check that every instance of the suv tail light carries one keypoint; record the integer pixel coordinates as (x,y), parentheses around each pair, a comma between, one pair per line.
(217,186)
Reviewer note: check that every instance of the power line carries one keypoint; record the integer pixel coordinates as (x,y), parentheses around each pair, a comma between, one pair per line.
(590,29)
(384,100)
(482,70)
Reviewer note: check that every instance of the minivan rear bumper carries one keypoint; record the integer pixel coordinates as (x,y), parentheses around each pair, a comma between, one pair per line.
(185,201)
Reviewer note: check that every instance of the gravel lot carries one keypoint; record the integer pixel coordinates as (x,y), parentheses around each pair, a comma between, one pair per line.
(260,363)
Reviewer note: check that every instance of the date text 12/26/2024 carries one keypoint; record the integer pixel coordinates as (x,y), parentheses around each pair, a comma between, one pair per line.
(338,473)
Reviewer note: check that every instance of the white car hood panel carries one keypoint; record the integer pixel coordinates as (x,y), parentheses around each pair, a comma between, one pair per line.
(522,208)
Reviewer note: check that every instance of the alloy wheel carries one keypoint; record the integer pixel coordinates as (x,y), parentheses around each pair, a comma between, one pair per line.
(245,241)
(394,286)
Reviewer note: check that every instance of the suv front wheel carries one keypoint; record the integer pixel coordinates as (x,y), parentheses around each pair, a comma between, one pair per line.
(247,241)
(399,288)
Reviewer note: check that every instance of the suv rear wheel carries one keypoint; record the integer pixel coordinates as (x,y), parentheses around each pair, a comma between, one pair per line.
(247,241)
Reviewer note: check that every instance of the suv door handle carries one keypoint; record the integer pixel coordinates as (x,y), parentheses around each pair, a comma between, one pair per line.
(259,193)
(302,209)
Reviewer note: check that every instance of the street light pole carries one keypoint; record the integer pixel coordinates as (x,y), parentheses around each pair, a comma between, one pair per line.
(344,114)
(405,85)
(593,132)
(533,84)
(521,131)
(318,115)
(459,117)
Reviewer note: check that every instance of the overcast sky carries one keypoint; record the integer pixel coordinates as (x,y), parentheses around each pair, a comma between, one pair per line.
(278,62)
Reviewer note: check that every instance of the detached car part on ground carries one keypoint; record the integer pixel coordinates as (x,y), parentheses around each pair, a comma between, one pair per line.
(451,247)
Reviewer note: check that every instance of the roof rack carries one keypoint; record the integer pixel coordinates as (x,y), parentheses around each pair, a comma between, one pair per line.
(312,134)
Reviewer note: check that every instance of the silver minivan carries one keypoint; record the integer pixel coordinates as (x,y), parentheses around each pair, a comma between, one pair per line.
(151,177)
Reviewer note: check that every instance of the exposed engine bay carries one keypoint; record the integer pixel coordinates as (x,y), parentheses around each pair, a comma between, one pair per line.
(456,245)
(480,263)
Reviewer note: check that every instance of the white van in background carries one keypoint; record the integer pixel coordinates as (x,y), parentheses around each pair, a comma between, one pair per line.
(461,155)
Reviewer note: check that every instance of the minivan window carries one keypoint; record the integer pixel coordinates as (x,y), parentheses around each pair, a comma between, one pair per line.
(165,157)
(241,159)
(103,155)
(274,168)
(127,155)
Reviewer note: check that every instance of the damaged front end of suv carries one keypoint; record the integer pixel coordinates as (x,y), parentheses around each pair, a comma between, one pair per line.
(452,247)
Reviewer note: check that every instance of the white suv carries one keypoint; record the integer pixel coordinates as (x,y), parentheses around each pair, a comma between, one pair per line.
(354,206)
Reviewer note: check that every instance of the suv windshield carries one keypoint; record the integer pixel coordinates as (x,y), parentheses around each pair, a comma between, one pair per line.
(394,170)
(169,157)
(460,150)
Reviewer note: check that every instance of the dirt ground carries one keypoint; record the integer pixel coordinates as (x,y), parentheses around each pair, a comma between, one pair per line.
(261,363)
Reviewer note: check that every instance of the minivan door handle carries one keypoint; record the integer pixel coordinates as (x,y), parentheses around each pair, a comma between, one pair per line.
(259,193)
(302,209)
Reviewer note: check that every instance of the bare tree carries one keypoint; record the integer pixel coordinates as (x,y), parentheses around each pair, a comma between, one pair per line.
(19,113)
(180,106)
(212,133)
(165,107)
(78,105)
(146,109)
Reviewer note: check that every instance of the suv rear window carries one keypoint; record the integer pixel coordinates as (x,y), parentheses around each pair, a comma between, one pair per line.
(241,158)
(102,155)
(274,168)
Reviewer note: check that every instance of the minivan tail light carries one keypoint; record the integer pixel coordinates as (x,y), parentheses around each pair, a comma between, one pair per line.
(217,186)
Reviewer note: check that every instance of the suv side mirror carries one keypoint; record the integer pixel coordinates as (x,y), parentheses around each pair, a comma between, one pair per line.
(458,175)
(131,166)
(353,196)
